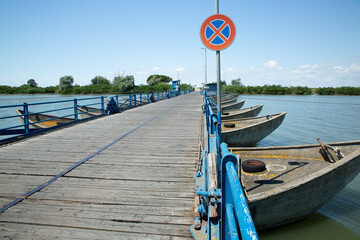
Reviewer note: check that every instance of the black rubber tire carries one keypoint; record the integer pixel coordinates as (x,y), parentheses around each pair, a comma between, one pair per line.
(253,166)
(229,125)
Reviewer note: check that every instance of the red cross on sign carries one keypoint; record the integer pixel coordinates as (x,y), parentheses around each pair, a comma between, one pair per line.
(217,32)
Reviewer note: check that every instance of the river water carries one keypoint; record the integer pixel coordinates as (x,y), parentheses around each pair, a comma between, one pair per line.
(330,118)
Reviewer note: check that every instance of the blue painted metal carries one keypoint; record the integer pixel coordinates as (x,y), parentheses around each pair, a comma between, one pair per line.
(26,118)
(232,193)
(234,212)
(75,109)
(102,105)
(231,222)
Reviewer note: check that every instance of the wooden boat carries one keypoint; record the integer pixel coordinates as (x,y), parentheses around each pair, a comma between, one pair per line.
(225,97)
(248,131)
(230,100)
(39,120)
(231,106)
(88,112)
(242,113)
(297,181)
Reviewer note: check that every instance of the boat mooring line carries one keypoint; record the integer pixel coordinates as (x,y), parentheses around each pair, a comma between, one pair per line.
(39,188)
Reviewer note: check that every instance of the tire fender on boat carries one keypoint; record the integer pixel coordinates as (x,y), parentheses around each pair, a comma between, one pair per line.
(253,166)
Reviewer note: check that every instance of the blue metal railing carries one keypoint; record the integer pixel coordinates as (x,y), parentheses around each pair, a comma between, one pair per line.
(234,211)
(68,112)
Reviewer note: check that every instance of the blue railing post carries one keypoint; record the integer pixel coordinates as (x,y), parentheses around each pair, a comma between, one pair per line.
(135,99)
(148,97)
(158,96)
(140,98)
(75,110)
(26,118)
(102,105)
(130,99)
(232,193)
(117,99)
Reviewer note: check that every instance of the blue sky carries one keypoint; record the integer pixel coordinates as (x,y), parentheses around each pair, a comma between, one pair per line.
(313,43)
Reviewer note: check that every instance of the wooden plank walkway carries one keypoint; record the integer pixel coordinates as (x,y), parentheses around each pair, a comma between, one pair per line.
(141,187)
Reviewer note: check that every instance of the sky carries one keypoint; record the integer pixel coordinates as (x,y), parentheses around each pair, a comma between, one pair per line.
(314,43)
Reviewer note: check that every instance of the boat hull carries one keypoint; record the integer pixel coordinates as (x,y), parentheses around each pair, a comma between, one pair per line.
(251,130)
(291,198)
(88,112)
(242,113)
(231,106)
(38,120)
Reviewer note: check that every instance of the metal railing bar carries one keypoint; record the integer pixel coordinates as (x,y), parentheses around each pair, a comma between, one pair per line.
(231,221)
(242,212)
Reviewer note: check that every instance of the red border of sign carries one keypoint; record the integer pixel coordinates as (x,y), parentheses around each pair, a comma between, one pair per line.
(228,42)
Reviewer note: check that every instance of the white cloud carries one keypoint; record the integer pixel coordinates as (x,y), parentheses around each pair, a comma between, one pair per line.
(355,68)
(316,75)
(273,65)
(180,69)
(341,69)
(156,68)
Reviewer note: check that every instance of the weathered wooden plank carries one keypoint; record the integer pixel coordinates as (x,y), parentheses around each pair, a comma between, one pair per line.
(30,231)
(139,187)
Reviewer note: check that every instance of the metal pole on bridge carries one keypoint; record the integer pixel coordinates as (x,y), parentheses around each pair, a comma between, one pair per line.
(218,89)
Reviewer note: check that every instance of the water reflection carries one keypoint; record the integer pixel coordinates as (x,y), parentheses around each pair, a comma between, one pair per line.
(314,227)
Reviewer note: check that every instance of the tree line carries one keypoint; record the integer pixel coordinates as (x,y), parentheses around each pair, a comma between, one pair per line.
(237,87)
(99,85)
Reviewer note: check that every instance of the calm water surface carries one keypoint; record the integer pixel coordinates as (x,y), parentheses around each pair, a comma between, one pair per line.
(330,118)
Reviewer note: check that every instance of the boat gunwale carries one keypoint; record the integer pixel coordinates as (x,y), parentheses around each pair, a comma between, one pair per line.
(273,117)
(241,111)
(304,180)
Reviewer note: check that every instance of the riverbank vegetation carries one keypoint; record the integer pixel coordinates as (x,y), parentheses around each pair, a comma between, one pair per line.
(279,90)
(121,84)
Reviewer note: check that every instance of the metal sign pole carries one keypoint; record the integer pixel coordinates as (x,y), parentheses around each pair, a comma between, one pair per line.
(218,72)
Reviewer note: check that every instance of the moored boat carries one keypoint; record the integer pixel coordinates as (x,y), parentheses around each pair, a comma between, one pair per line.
(248,131)
(297,180)
(88,112)
(230,100)
(241,113)
(231,106)
(39,120)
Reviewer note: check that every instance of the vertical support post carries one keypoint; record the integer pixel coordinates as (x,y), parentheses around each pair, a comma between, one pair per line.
(130,99)
(102,105)
(117,99)
(75,110)
(162,96)
(218,90)
(148,97)
(135,99)
(140,98)
(26,118)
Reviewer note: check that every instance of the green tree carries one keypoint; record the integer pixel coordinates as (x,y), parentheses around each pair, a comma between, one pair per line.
(31,83)
(66,83)
(236,82)
(156,79)
(124,83)
(99,80)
